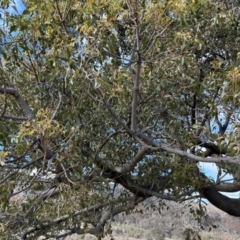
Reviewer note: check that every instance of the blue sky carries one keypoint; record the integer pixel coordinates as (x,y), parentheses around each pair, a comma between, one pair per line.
(19,5)
(210,169)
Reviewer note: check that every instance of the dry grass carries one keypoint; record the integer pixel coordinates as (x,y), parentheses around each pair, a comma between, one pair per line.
(170,225)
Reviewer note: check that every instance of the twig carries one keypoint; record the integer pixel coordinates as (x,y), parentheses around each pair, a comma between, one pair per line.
(62,20)
(58,106)
(23,167)
(65,173)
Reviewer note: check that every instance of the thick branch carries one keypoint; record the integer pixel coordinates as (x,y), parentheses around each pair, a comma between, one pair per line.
(130,166)
(112,212)
(150,143)
(20,101)
(214,149)
(226,204)
(228,187)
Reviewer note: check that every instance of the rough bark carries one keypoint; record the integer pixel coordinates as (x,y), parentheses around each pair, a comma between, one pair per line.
(226,204)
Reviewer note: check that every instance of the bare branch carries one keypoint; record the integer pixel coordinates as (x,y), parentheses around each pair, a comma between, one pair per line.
(235,160)
(137,77)
(66,174)
(129,166)
(155,146)
(15,118)
(228,187)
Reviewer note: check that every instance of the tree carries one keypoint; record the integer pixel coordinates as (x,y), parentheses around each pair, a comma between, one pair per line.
(107,103)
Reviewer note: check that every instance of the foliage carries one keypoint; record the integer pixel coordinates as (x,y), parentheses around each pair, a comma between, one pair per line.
(107,103)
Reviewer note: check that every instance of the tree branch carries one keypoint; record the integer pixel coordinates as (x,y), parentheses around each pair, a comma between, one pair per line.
(228,187)
(222,128)
(20,101)
(58,106)
(94,231)
(150,143)
(130,166)
(137,75)
(226,204)
(22,167)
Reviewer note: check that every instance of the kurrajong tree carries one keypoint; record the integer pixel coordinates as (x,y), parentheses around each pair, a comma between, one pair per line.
(107,103)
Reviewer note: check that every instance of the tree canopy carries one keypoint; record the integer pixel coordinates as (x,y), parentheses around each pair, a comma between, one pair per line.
(107,103)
